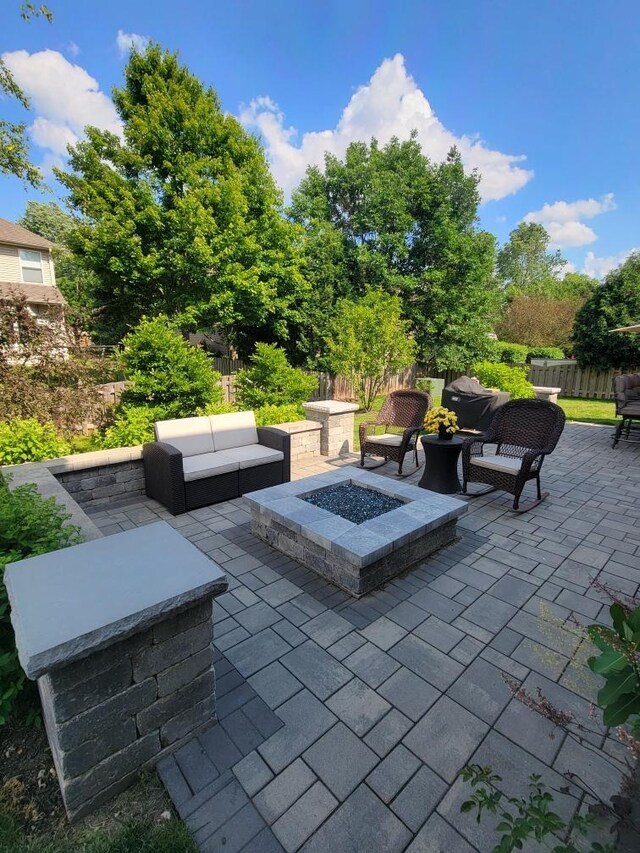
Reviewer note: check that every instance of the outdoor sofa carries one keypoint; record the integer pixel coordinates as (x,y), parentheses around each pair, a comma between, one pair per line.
(199,461)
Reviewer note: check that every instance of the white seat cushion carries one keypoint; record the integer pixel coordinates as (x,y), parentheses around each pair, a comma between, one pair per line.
(386,438)
(207,465)
(237,429)
(507,464)
(254,454)
(190,435)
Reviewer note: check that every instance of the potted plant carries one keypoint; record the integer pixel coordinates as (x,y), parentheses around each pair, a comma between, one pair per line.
(443,421)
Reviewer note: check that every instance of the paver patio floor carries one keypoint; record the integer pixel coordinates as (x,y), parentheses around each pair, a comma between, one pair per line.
(343,723)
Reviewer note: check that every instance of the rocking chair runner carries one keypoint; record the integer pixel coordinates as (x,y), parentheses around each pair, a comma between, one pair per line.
(524,432)
(406,409)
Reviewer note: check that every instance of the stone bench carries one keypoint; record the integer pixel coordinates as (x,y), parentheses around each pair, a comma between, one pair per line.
(118,633)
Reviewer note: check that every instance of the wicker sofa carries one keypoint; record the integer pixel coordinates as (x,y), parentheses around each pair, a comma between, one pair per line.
(199,461)
(626,392)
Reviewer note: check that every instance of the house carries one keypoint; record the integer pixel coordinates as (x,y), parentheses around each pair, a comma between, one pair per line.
(26,269)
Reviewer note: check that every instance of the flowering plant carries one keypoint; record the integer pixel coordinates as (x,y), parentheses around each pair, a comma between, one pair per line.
(441,418)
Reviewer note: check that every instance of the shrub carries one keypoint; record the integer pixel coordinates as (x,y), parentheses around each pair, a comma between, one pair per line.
(29,441)
(509,353)
(272,381)
(545,352)
(133,425)
(166,373)
(269,415)
(511,379)
(539,321)
(217,409)
(370,340)
(29,525)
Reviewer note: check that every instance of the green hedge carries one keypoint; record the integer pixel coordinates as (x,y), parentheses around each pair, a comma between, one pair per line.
(509,353)
(30,441)
(512,379)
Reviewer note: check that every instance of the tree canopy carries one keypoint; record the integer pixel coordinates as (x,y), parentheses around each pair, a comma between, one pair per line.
(524,265)
(14,147)
(388,218)
(181,216)
(615,303)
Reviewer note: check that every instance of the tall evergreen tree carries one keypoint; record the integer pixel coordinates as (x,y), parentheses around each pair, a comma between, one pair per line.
(388,218)
(181,216)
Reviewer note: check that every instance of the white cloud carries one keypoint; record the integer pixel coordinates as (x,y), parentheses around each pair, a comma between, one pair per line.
(599,267)
(563,220)
(390,104)
(65,97)
(73,49)
(130,41)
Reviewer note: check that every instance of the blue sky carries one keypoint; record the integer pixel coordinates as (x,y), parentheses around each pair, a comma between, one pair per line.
(540,95)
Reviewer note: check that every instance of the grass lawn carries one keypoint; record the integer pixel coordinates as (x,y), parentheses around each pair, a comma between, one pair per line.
(589,411)
(575,408)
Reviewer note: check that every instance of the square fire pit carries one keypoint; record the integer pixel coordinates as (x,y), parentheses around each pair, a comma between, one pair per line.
(355,528)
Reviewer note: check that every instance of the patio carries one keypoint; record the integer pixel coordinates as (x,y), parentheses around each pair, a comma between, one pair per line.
(343,722)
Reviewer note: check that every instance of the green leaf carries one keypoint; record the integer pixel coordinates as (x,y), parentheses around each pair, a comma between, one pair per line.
(619,711)
(617,685)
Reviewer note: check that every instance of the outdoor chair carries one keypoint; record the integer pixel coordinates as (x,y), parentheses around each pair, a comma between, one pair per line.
(403,410)
(626,392)
(523,432)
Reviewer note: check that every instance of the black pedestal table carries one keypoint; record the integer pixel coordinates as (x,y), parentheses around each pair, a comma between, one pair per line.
(441,464)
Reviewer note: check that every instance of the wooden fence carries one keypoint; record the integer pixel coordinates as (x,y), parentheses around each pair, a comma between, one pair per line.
(341,388)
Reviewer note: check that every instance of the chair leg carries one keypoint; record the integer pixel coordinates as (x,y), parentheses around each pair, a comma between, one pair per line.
(617,433)
(362,458)
(399,468)
(538,487)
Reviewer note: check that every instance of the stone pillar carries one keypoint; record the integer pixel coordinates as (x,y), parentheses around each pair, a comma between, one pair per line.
(337,419)
(124,659)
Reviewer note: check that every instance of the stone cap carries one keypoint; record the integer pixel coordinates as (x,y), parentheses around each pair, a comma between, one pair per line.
(543,389)
(294,427)
(330,407)
(67,604)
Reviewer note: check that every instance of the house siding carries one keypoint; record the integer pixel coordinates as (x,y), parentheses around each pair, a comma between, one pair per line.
(11,272)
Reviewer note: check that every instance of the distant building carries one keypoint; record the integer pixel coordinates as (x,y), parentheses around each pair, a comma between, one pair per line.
(26,269)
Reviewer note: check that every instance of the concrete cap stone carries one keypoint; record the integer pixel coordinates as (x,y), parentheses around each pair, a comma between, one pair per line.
(70,603)
(330,407)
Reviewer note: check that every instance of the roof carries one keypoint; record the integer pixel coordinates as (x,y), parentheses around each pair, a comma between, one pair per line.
(16,235)
(635,328)
(40,294)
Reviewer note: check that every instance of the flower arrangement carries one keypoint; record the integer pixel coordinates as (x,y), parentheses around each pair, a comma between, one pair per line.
(441,420)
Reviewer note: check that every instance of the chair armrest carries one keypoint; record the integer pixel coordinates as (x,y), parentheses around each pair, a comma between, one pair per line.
(363,429)
(280,440)
(164,475)
(408,434)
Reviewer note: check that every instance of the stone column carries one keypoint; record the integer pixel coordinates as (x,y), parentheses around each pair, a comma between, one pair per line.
(337,419)
(118,633)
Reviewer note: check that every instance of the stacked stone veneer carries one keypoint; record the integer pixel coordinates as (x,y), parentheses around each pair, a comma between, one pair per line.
(336,420)
(305,439)
(120,709)
(105,484)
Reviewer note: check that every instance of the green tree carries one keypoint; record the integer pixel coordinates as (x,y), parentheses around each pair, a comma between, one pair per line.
(615,303)
(369,341)
(182,216)
(576,285)
(53,223)
(165,372)
(14,146)
(388,218)
(524,265)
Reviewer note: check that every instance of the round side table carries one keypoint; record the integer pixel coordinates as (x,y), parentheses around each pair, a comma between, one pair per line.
(441,464)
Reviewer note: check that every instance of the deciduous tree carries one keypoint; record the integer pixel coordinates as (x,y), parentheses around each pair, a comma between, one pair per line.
(388,218)
(616,303)
(525,266)
(181,216)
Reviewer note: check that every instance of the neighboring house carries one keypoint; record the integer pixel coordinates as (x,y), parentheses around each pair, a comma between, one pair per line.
(26,269)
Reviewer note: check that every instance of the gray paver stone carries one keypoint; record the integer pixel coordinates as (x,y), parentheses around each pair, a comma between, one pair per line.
(384,633)
(439,634)
(327,628)
(258,651)
(252,773)
(371,664)
(386,734)
(417,800)
(392,773)
(341,760)
(305,719)
(275,684)
(482,690)
(446,737)
(358,706)
(437,836)
(429,663)
(274,799)
(316,669)
(490,613)
(409,693)
(304,816)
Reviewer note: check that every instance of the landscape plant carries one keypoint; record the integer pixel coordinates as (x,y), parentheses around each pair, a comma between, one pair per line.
(272,381)
(165,372)
(441,419)
(132,425)
(539,321)
(368,341)
(30,441)
(505,378)
(29,525)
(271,415)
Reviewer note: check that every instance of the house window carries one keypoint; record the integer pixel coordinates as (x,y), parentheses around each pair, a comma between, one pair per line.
(31,264)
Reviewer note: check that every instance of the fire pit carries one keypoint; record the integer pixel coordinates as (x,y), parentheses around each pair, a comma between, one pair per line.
(354,528)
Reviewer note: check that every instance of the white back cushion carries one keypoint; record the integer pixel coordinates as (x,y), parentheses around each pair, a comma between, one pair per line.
(190,435)
(237,429)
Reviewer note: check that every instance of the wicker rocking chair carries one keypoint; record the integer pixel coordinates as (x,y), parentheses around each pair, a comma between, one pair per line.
(524,432)
(404,409)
